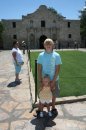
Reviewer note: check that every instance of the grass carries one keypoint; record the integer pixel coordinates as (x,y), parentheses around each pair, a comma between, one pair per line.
(72,74)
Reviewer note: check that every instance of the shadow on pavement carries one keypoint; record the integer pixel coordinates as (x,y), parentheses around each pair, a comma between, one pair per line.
(42,123)
(13,84)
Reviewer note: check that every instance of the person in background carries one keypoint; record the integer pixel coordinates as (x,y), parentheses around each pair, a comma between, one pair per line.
(49,62)
(45,95)
(23,46)
(17,60)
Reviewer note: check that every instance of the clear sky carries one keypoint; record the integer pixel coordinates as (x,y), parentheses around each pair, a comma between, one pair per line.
(14,9)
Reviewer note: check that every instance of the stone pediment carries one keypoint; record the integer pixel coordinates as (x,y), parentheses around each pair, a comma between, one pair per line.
(44,12)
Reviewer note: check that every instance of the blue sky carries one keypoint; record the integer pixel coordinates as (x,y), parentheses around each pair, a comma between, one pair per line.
(14,9)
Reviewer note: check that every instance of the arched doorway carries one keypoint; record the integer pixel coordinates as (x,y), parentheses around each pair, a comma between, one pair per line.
(41,41)
(1,44)
(32,41)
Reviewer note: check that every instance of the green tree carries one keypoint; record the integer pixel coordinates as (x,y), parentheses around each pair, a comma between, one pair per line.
(83,22)
(83,25)
(1,30)
(55,12)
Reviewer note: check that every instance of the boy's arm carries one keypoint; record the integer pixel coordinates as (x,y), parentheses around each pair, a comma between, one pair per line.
(57,70)
(14,56)
(39,66)
(41,88)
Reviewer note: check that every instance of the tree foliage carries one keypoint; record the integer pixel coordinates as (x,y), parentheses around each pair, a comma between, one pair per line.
(1,30)
(55,12)
(83,22)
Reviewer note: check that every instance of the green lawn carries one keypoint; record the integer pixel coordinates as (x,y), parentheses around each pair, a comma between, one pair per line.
(72,74)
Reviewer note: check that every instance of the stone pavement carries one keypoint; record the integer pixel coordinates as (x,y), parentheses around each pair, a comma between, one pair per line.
(16,103)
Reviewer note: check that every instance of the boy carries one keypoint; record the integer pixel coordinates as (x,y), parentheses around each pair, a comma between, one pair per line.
(49,63)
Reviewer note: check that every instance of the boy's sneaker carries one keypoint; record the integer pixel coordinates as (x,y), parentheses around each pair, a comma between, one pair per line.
(41,114)
(54,111)
(49,113)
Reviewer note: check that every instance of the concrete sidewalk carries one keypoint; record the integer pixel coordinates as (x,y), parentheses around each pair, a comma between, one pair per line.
(16,103)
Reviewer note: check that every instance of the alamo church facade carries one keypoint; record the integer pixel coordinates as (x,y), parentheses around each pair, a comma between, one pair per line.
(39,25)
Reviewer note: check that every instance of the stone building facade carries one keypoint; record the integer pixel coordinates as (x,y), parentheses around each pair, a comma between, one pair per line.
(39,25)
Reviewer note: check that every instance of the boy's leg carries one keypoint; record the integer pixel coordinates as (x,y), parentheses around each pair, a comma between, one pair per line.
(54,110)
(55,94)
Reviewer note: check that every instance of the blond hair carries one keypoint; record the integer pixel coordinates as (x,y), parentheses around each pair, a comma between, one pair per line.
(49,41)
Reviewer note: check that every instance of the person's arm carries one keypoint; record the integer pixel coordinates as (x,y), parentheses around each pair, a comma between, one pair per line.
(14,56)
(41,88)
(39,72)
(57,70)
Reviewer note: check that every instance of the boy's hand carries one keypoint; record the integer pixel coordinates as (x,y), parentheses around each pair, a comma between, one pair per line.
(41,88)
(17,64)
(22,63)
(41,84)
(52,84)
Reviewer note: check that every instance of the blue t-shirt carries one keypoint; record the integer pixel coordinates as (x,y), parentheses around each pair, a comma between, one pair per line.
(48,62)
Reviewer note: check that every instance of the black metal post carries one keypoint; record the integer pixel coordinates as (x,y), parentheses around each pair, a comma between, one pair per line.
(27,47)
(35,80)
(29,59)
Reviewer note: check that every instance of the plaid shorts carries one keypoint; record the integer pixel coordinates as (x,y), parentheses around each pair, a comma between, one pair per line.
(56,91)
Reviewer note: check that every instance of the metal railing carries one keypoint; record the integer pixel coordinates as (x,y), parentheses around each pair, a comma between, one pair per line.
(35,80)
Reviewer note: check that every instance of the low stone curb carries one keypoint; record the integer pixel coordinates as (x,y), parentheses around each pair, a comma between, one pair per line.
(70,99)
(66,100)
